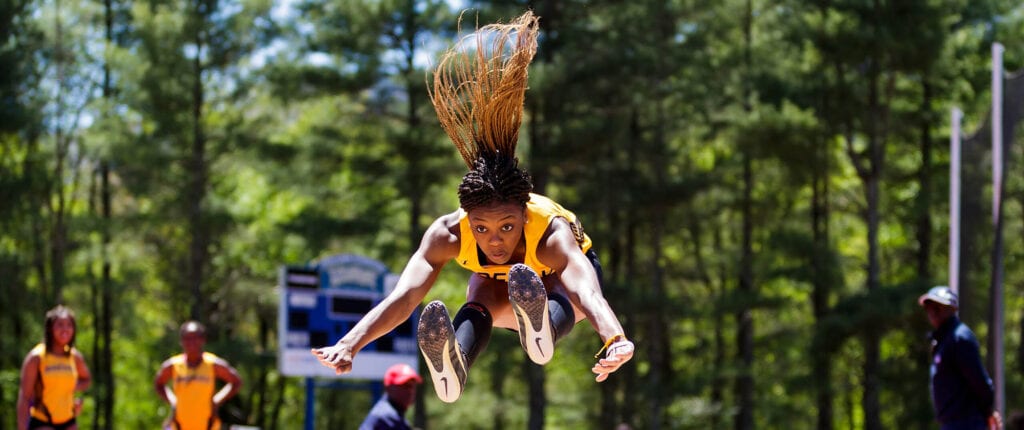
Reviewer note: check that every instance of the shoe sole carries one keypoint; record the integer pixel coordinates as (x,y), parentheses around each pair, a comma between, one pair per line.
(436,338)
(529,301)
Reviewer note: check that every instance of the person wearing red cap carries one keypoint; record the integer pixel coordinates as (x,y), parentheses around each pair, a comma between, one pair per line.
(961,389)
(388,413)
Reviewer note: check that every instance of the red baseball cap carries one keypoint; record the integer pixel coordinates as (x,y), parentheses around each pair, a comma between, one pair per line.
(400,374)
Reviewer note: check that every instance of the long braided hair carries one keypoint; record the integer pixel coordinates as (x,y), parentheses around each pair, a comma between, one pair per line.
(478,95)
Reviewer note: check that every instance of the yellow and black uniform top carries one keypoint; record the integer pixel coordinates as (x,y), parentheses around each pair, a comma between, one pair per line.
(194,387)
(540,212)
(55,389)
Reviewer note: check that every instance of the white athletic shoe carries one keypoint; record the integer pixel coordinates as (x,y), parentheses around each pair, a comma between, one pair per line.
(436,337)
(530,305)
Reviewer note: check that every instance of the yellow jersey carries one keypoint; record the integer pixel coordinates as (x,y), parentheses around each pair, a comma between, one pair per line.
(540,212)
(55,389)
(194,388)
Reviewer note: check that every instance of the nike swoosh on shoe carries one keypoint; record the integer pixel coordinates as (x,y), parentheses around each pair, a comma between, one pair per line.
(530,306)
(440,349)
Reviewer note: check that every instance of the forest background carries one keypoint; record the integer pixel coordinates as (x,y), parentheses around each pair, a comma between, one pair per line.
(765,181)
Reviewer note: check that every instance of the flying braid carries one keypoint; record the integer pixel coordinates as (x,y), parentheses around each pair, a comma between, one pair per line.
(478,92)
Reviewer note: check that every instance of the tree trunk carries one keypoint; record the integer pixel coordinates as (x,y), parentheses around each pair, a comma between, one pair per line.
(413,157)
(538,173)
(58,230)
(871,402)
(537,401)
(614,259)
(630,402)
(821,266)
(718,381)
(275,411)
(104,359)
(744,320)
(499,374)
(197,181)
(924,197)
(94,309)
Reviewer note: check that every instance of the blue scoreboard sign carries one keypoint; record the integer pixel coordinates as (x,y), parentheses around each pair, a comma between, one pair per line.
(323,301)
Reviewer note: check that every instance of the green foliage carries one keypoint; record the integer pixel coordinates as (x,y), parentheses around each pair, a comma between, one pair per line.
(320,139)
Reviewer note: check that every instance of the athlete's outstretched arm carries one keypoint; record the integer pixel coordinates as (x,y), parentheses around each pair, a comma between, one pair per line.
(438,246)
(561,252)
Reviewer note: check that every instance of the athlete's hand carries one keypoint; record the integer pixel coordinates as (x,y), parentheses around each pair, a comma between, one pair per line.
(615,356)
(337,357)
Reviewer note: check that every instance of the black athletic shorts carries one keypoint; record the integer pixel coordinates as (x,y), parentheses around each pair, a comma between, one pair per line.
(35,423)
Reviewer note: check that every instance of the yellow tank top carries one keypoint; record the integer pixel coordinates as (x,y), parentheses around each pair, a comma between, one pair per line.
(540,212)
(194,388)
(55,392)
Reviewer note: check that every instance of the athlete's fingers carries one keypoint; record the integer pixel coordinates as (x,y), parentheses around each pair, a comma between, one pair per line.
(617,354)
(343,367)
(329,357)
(602,371)
(617,360)
(340,361)
(605,366)
(320,356)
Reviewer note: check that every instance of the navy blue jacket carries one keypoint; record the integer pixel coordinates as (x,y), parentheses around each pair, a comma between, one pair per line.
(961,388)
(384,416)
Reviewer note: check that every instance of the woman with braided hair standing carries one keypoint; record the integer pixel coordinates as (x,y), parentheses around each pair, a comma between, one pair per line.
(533,269)
(52,375)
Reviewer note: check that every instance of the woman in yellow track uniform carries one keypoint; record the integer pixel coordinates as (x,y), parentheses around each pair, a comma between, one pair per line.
(53,371)
(533,269)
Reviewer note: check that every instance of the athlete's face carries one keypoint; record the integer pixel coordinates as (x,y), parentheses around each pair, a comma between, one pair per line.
(498,228)
(403,394)
(937,313)
(192,342)
(63,331)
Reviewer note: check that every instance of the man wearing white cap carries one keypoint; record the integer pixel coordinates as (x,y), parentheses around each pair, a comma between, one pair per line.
(400,383)
(962,393)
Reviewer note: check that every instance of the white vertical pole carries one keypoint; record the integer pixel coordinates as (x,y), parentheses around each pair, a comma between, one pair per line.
(996,331)
(997,129)
(954,200)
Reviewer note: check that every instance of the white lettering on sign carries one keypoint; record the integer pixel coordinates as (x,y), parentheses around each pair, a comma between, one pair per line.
(353,276)
(298,339)
(301,279)
(299,300)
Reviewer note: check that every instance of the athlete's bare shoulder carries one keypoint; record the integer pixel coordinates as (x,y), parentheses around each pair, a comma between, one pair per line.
(33,357)
(448,223)
(443,236)
(557,243)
